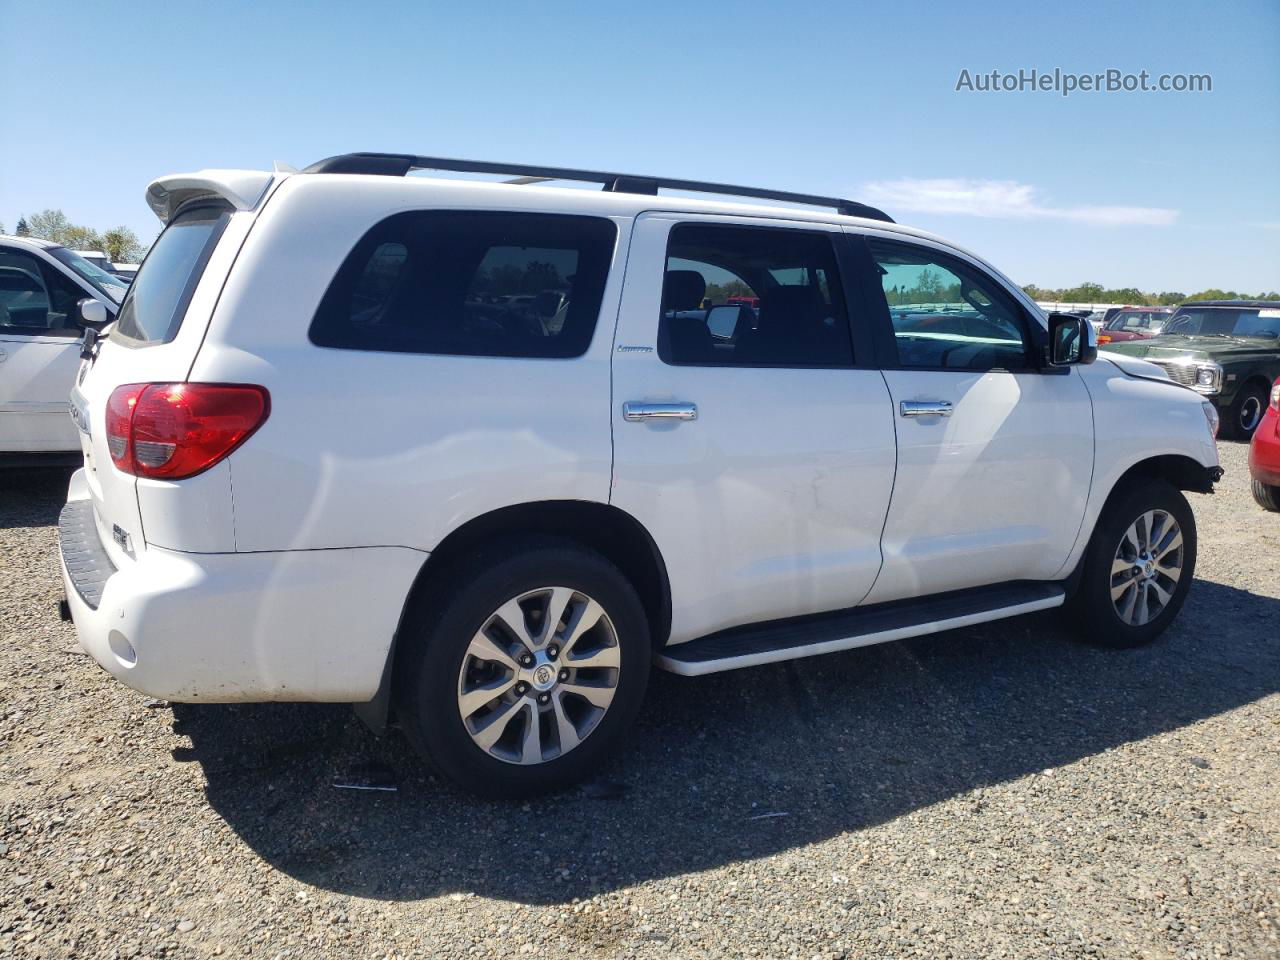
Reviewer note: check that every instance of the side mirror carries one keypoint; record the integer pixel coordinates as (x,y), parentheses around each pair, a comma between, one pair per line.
(92,314)
(723,320)
(1072,340)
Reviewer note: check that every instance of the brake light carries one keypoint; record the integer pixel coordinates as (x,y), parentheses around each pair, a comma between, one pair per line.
(1275,396)
(171,431)
(1103,338)
(119,421)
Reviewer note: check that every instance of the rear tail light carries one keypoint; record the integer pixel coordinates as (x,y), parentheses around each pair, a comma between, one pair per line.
(119,421)
(170,431)
(1275,396)
(1103,338)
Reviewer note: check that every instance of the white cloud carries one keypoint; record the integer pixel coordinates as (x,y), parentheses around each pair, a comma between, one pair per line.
(1000,199)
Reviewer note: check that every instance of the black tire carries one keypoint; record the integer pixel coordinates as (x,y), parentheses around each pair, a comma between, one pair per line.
(1245,413)
(439,626)
(1095,615)
(1267,495)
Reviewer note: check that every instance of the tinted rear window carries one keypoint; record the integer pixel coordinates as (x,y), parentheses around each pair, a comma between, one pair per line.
(470,283)
(741,296)
(157,300)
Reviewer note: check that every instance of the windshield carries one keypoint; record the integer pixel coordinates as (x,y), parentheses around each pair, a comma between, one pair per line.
(1225,322)
(1141,321)
(105,283)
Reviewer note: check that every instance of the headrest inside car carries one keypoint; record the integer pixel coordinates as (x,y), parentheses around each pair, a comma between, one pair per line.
(683,290)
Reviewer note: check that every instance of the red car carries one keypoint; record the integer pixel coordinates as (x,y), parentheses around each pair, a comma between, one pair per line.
(1264,454)
(1134,323)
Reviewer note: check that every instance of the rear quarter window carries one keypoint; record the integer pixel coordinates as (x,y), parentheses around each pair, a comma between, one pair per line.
(152,311)
(475,283)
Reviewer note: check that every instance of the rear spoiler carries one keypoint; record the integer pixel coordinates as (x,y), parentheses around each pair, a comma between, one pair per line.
(241,188)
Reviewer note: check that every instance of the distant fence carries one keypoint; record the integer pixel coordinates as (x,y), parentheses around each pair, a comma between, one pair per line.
(1049,306)
(1063,305)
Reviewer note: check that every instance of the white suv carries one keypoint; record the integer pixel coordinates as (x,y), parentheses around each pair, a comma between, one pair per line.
(479,452)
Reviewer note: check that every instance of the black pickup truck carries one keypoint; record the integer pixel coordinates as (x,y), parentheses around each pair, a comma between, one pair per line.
(1228,350)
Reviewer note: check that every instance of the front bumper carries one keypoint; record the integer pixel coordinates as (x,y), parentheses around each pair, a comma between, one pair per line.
(313,625)
(1264,451)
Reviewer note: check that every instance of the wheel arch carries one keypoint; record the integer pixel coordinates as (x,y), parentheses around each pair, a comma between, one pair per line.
(612,532)
(1184,472)
(1259,378)
(1256,377)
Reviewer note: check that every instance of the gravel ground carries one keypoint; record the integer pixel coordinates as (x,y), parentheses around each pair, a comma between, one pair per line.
(991,792)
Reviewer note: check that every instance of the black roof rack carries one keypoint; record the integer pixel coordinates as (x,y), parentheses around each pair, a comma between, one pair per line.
(398,164)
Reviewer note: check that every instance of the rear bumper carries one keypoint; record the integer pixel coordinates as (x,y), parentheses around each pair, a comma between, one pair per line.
(311,625)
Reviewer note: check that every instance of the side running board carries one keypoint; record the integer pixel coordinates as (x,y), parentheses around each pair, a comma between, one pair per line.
(797,637)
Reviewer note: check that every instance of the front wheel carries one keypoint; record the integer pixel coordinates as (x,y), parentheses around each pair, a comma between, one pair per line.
(1137,568)
(523,671)
(1246,412)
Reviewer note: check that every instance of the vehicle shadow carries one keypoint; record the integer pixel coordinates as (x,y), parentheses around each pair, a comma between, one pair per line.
(32,496)
(729,767)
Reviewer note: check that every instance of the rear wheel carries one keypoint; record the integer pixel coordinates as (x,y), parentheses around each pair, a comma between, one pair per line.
(1267,495)
(1137,568)
(1246,412)
(524,672)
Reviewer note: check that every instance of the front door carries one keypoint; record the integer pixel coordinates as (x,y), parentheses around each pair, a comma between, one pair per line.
(995,453)
(753,436)
(39,355)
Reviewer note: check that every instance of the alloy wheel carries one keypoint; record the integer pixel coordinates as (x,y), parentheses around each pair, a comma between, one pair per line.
(1147,567)
(539,675)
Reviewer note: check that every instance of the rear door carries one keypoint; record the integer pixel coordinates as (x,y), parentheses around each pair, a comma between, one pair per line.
(755,444)
(154,340)
(995,454)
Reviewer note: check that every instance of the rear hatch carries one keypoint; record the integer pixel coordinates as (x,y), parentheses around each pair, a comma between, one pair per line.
(155,339)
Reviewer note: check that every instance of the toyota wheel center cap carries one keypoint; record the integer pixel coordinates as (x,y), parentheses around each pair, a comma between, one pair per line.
(544,677)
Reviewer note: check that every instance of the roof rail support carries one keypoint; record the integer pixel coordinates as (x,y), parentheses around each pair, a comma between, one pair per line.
(644,185)
(399,164)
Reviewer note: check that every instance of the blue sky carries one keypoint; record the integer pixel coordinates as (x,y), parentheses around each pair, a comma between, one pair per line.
(1166,191)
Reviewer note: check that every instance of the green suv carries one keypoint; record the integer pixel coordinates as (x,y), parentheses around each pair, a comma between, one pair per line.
(1228,350)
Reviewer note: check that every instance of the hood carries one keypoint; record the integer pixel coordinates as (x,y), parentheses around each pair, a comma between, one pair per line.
(1133,366)
(1200,348)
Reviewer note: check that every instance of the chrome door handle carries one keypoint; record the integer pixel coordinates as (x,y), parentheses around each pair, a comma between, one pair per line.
(634,412)
(926,408)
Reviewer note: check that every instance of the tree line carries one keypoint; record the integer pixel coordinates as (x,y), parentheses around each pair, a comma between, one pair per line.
(120,244)
(930,289)
(1096,293)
